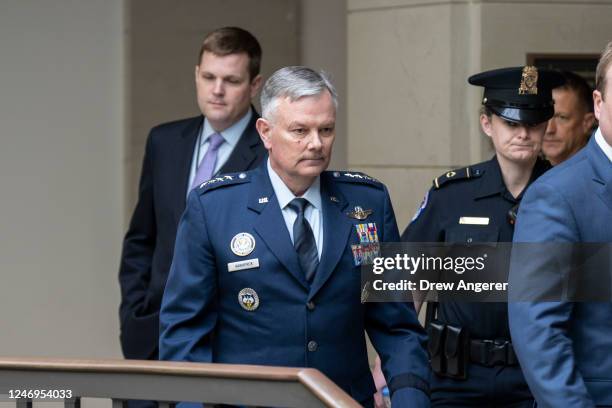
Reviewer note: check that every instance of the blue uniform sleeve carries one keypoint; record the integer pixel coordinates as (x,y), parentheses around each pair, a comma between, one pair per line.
(425,225)
(540,329)
(399,338)
(188,312)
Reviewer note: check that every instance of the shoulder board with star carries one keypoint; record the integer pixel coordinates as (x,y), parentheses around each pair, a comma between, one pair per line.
(354,177)
(223,181)
(464,173)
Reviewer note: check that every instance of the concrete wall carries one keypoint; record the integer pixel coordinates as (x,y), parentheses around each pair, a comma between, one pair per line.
(411,113)
(324,22)
(61,116)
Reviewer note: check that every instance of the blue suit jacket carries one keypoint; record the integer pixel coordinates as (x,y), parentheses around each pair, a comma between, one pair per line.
(202,320)
(565,348)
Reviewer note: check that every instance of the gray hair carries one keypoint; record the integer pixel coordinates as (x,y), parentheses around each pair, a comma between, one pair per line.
(294,83)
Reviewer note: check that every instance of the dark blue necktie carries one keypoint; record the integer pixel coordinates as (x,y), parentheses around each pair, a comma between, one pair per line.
(303,239)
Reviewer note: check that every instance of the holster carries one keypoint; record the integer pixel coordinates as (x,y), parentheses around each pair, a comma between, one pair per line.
(456,352)
(436,332)
(448,347)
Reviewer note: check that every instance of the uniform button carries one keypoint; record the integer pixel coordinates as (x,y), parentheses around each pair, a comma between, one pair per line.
(469,240)
(310,305)
(312,345)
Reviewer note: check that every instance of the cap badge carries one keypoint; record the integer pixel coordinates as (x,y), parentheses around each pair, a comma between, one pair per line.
(242,244)
(529,81)
(248,299)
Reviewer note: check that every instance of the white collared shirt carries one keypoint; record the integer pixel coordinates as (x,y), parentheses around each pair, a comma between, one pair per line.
(313,212)
(603,145)
(231,136)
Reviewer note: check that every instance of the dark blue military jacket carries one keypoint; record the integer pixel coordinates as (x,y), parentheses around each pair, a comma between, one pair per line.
(319,325)
(475,191)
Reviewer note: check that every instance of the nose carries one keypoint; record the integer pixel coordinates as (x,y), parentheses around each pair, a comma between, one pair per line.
(218,88)
(551,127)
(315,141)
(522,131)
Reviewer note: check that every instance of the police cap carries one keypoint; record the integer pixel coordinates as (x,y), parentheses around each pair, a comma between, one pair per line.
(519,94)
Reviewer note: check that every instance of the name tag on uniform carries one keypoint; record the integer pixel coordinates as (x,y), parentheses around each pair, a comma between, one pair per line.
(242,265)
(474,220)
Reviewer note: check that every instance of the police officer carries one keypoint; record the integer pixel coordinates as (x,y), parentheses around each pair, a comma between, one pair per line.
(479,204)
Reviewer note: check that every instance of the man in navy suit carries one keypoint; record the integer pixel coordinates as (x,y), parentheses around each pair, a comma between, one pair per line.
(266,267)
(178,156)
(565,347)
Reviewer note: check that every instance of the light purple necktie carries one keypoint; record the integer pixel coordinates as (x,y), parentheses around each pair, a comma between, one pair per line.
(207,165)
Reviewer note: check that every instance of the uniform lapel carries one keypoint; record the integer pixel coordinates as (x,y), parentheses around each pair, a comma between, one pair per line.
(336,231)
(270,224)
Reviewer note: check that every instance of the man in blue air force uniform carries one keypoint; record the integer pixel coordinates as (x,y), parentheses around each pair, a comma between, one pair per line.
(266,262)
(565,348)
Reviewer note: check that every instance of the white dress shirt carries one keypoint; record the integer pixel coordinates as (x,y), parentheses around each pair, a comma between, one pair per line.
(313,212)
(231,136)
(603,145)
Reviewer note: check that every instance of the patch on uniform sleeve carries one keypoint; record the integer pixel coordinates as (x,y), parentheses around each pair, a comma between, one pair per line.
(458,174)
(421,207)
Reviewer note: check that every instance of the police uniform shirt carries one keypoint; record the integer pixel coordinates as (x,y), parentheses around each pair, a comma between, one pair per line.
(476,191)
(312,212)
(231,136)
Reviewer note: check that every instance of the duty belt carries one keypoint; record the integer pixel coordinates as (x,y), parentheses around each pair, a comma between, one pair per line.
(492,352)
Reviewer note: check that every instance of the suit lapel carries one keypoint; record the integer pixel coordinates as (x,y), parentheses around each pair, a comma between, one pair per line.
(336,232)
(602,172)
(183,154)
(270,224)
(244,154)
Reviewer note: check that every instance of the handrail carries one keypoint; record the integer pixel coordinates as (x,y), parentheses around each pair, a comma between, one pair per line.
(175,381)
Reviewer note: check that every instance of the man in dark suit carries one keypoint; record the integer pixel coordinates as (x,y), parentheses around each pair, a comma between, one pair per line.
(180,155)
(267,270)
(564,346)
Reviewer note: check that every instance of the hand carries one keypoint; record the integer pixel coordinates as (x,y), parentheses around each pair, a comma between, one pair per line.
(379,381)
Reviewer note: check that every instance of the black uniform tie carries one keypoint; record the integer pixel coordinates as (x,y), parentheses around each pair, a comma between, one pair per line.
(303,239)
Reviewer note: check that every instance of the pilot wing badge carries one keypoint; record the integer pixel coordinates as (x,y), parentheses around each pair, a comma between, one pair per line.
(359,213)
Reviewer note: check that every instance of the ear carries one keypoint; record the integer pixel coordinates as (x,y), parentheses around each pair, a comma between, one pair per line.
(196,72)
(264,127)
(486,124)
(256,85)
(587,122)
(597,101)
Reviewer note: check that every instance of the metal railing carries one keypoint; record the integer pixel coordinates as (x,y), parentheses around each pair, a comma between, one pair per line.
(168,382)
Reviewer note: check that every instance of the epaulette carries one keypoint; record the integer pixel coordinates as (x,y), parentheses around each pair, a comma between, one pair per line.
(223,181)
(458,174)
(355,177)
